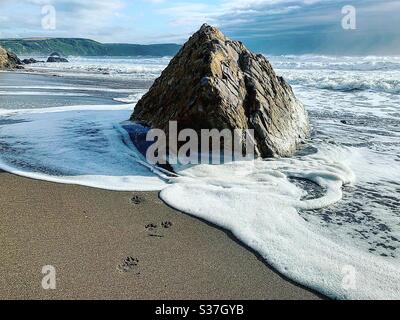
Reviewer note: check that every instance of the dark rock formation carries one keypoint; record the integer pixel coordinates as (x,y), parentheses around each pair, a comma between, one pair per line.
(56,59)
(30,61)
(9,60)
(214,82)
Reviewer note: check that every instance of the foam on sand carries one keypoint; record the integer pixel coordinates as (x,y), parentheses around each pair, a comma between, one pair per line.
(27,112)
(80,145)
(258,203)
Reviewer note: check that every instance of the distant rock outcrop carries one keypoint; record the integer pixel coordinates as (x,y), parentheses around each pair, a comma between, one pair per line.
(214,82)
(9,60)
(56,57)
(30,61)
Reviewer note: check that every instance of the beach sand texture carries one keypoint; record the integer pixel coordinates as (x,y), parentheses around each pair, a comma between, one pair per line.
(87,234)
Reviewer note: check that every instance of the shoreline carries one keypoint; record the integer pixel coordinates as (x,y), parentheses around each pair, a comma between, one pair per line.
(86,234)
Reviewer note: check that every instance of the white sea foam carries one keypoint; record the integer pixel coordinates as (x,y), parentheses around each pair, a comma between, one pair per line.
(122,107)
(388,82)
(319,62)
(97,67)
(76,145)
(132,98)
(258,203)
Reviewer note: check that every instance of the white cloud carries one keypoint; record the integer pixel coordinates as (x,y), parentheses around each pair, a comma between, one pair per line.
(229,11)
(175,20)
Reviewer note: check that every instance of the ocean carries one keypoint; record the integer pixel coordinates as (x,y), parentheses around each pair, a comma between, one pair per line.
(328,218)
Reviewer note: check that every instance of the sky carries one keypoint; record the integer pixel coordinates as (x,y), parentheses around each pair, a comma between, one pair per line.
(266,26)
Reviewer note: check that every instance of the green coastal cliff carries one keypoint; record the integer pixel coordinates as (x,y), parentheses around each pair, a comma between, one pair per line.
(85,47)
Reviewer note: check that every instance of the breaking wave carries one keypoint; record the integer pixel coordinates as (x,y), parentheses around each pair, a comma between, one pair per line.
(347,81)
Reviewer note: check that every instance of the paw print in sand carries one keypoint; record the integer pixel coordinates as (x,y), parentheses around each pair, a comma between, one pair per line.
(153,230)
(137,199)
(167,224)
(150,227)
(129,264)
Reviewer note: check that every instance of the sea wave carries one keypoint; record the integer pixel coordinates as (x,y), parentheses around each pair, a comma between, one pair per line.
(318,62)
(132,98)
(42,93)
(65,88)
(143,68)
(337,81)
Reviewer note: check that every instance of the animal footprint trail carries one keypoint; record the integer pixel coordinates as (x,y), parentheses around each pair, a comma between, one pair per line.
(153,230)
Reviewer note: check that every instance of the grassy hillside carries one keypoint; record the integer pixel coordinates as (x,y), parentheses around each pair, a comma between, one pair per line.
(85,47)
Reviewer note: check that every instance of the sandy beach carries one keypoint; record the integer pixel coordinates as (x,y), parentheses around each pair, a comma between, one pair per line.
(87,233)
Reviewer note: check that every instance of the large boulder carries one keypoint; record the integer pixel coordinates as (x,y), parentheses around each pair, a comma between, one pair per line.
(8,60)
(214,82)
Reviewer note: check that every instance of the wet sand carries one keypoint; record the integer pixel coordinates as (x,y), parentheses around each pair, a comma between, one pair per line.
(87,234)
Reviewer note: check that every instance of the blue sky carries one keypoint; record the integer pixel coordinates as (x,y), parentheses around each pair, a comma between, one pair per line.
(268,26)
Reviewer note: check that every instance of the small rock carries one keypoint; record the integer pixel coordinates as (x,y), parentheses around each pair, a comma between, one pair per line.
(30,61)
